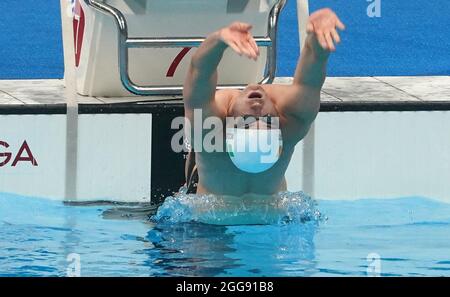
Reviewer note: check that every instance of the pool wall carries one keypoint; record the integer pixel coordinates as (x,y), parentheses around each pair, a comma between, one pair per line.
(378,154)
(113,157)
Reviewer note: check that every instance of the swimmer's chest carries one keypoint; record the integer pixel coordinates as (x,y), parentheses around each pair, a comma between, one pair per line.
(218,173)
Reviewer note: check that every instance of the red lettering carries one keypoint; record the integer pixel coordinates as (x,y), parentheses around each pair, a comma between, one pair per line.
(28,158)
(78,31)
(5,155)
(173,67)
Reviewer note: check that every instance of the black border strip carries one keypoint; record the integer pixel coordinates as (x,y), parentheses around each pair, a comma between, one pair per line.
(13,109)
(158,107)
(365,106)
(154,108)
(228,286)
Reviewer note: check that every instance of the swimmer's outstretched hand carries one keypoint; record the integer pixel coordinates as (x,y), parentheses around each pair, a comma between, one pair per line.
(238,37)
(323,24)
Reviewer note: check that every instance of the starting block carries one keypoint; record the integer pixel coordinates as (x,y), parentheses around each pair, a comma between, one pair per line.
(114,55)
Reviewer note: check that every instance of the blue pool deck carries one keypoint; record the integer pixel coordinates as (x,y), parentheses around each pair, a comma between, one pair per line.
(50,93)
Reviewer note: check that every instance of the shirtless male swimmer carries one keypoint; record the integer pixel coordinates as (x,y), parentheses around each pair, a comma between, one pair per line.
(239,173)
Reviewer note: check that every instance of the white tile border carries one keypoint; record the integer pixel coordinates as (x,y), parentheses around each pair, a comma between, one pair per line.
(346,89)
(429,88)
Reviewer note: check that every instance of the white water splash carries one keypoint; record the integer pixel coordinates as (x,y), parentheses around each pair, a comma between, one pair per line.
(286,207)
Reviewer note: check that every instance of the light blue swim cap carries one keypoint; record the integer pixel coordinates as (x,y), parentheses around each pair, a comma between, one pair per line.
(254,150)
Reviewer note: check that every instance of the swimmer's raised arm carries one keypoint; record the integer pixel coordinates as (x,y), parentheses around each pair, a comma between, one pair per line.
(322,36)
(201,80)
(301,100)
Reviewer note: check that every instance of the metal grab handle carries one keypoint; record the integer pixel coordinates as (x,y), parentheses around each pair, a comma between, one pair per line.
(126,43)
(180,42)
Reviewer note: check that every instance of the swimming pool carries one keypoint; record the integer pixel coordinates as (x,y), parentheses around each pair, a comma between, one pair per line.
(387,237)
(378,180)
(378,174)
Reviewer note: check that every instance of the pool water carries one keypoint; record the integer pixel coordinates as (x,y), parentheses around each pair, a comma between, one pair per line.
(388,237)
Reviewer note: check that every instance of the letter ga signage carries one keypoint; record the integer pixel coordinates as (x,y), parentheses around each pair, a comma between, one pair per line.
(23,155)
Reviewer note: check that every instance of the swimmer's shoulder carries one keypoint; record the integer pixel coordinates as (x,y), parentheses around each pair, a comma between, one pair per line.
(224,98)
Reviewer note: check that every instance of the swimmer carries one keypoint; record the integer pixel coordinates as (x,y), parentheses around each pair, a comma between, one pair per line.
(282,114)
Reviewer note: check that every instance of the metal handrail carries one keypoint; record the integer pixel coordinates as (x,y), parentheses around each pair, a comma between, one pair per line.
(180,42)
(125,43)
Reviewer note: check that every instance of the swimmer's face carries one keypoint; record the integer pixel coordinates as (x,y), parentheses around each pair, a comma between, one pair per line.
(254,101)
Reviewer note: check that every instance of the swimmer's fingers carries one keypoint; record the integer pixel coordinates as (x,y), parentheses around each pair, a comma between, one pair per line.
(247,48)
(239,48)
(339,24)
(251,44)
(324,23)
(232,41)
(239,38)
(243,43)
(329,41)
(321,39)
(243,27)
(327,38)
(335,36)
(254,45)
(247,43)
(235,47)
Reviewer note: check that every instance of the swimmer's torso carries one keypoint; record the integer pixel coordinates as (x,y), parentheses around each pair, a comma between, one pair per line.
(217,173)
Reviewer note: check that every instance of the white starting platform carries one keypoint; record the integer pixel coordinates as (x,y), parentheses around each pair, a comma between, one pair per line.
(142,47)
